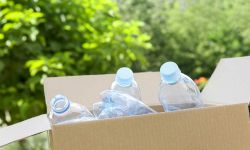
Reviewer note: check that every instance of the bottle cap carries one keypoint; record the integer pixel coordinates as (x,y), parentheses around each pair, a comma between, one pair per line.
(60,104)
(124,77)
(170,72)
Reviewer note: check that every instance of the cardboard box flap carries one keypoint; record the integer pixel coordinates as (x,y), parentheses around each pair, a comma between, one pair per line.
(86,89)
(24,129)
(229,83)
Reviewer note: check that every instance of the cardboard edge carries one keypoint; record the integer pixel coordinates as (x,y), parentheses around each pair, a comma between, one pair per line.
(50,140)
(24,129)
(205,89)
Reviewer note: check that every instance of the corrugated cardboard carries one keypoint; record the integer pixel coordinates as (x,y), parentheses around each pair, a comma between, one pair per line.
(230,82)
(218,128)
(214,128)
(24,129)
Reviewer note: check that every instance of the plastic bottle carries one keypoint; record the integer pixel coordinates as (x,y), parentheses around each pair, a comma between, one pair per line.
(125,83)
(116,104)
(65,111)
(177,90)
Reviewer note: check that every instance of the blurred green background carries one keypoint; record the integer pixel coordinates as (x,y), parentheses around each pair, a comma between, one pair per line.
(41,38)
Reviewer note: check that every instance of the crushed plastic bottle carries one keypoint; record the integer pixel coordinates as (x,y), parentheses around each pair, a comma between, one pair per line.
(177,90)
(116,104)
(65,111)
(125,83)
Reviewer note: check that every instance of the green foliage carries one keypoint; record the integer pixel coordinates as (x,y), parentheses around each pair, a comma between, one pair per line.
(36,142)
(193,33)
(40,38)
(56,38)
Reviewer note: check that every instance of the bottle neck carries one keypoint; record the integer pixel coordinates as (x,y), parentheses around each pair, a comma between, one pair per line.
(172,83)
(61,106)
(127,85)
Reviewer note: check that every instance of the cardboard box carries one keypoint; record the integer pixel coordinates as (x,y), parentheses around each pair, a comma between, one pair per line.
(221,127)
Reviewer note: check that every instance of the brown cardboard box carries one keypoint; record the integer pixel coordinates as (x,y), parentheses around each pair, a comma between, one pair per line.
(222,127)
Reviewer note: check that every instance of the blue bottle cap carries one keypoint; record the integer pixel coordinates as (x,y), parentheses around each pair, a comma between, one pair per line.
(124,77)
(170,72)
(60,104)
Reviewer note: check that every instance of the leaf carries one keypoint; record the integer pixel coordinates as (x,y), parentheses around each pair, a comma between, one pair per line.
(35,66)
(14,16)
(1,36)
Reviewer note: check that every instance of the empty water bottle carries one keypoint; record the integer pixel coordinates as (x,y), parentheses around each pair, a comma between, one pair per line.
(177,90)
(65,111)
(117,104)
(125,83)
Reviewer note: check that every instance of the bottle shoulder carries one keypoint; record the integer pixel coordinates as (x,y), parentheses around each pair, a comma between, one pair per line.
(185,82)
(183,79)
(186,78)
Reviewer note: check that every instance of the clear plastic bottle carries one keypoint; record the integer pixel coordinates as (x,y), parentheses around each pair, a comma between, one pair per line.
(177,90)
(116,104)
(125,83)
(64,111)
